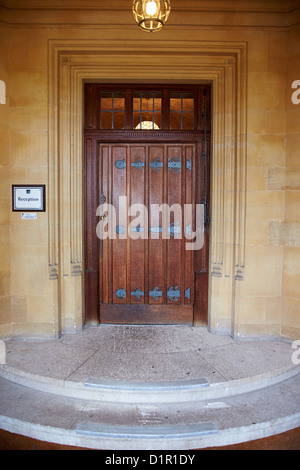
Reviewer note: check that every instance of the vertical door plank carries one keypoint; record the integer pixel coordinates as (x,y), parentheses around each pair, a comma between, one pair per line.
(157,289)
(174,245)
(119,245)
(189,222)
(137,224)
(104,177)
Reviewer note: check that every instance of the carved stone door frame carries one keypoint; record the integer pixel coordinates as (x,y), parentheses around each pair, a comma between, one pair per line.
(73,62)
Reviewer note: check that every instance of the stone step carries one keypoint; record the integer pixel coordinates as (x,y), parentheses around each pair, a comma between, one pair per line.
(117,391)
(193,424)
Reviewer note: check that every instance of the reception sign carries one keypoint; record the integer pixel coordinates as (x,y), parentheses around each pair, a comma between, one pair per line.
(29,198)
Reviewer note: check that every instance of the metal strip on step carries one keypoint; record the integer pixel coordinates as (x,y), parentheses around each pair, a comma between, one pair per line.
(147,386)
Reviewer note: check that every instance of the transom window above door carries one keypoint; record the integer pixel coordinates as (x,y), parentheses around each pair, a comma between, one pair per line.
(144,108)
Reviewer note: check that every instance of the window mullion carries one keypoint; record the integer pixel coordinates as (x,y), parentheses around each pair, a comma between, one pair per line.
(165,110)
(128,109)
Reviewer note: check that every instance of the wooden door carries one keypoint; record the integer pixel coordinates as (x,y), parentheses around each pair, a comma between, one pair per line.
(149,146)
(146,272)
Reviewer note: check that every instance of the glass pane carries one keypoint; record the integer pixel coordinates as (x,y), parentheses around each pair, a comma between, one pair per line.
(106,120)
(106,102)
(136,120)
(175,103)
(188,105)
(157,104)
(175,121)
(188,121)
(119,120)
(147,117)
(136,103)
(119,102)
(157,120)
(147,103)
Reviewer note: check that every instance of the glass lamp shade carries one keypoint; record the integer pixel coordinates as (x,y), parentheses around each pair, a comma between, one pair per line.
(151,15)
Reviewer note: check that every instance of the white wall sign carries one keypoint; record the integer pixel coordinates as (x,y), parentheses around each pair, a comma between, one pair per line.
(29,216)
(29,198)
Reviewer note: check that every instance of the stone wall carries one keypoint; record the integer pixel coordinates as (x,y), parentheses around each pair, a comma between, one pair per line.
(5,208)
(262,296)
(289,181)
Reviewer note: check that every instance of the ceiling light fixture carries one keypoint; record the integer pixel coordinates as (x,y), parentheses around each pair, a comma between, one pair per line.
(151,15)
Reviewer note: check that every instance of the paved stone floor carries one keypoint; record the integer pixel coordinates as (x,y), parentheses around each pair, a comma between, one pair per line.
(153,354)
(147,353)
